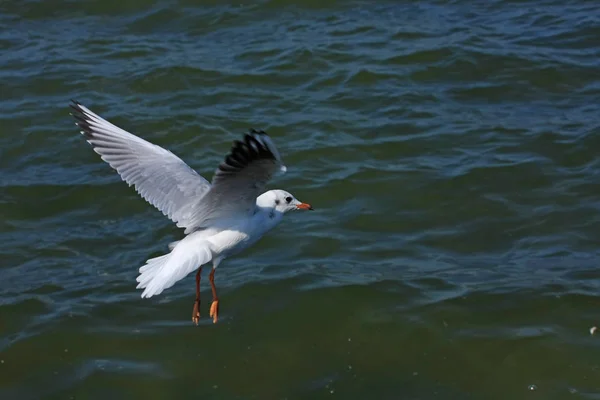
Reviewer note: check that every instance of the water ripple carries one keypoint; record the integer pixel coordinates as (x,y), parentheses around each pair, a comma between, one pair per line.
(449,149)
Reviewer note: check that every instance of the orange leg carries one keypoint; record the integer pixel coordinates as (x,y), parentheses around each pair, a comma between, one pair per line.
(196,310)
(214,307)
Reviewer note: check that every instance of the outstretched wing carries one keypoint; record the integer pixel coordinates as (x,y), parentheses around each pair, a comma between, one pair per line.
(239,180)
(159,176)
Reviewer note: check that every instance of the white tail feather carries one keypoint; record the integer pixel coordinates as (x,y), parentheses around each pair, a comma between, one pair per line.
(162,272)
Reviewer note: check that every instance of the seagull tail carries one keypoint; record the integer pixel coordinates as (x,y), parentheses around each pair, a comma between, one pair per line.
(162,272)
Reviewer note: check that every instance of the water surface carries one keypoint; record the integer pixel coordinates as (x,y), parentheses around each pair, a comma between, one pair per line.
(450,149)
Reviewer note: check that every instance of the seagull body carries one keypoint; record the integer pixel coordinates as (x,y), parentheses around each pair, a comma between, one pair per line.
(221,218)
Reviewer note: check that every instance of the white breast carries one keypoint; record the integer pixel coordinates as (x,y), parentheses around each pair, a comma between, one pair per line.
(243,233)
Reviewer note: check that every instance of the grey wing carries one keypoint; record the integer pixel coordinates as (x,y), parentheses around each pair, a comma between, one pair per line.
(240,179)
(159,176)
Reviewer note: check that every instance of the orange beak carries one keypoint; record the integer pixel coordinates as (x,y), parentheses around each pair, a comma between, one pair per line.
(304,206)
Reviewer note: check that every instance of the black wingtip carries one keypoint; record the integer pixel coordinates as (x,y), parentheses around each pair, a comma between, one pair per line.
(243,153)
(80,119)
(253,131)
(75,105)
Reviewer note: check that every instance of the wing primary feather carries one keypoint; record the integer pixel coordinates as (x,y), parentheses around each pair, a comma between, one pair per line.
(230,160)
(159,176)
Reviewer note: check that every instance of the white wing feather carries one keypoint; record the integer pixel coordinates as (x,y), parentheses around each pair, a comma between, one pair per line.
(158,175)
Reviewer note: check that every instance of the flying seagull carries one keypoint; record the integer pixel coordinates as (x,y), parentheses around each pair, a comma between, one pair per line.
(221,218)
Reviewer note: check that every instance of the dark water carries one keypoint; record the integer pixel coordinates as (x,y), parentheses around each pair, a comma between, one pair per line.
(450,148)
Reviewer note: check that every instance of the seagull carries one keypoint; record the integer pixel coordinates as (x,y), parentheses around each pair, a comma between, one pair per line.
(220,218)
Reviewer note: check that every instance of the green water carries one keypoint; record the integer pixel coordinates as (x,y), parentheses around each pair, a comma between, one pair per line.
(450,149)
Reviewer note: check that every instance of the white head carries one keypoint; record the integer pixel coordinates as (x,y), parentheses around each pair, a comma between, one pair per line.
(281,201)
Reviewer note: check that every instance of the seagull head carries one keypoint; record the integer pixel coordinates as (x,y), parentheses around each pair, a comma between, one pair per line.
(282,201)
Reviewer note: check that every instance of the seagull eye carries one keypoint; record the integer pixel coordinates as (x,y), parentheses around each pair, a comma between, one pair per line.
(288,199)
(276,202)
